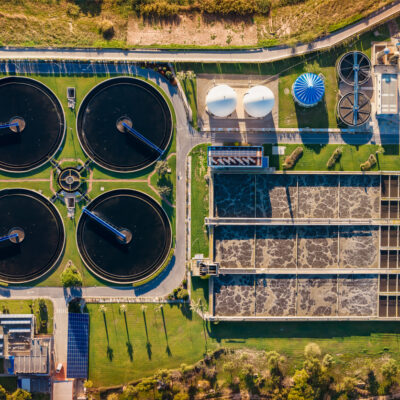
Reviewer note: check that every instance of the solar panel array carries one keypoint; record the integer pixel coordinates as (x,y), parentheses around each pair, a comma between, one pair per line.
(78,345)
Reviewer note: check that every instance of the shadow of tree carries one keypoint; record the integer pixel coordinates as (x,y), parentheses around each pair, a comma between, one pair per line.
(167,349)
(129,347)
(148,344)
(110,353)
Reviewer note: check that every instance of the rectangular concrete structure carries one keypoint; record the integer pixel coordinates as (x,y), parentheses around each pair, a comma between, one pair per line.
(305,246)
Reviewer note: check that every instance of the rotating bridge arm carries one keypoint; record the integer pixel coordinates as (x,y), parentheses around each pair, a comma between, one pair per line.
(104,224)
(135,133)
(9,237)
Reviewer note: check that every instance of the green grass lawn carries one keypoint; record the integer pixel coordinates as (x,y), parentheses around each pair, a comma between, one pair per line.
(122,350)
(29,307)
(199,207)
(190,88)
(119,351)
(315,157)
(71,149)
(200,290)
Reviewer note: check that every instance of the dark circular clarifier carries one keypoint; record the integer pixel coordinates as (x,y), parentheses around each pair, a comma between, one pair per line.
(41,124)
(148,232)
(41,235)
(138,104)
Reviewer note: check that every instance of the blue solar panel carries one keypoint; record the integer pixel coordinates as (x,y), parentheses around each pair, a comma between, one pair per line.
(78,345)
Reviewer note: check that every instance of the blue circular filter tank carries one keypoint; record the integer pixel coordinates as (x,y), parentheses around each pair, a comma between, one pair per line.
(308,89)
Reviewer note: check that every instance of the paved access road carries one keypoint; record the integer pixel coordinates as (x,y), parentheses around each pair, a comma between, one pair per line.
(244,56)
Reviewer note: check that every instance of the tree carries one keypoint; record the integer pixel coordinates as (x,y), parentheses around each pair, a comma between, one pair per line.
(348,387)
(3,393)
(88,384)
(229,367)
(181,396)
(123,307)
(312,350)
(130,392)
(390,370)
(162,167)
(165,191)
(327,361)
(113,396)
(301,389)
(263,6)
(71,277)
(21,394)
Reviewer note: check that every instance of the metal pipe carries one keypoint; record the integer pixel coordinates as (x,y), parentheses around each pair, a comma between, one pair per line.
(141,137)
(104,223)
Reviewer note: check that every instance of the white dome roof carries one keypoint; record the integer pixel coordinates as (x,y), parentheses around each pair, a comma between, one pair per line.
(258,101)
(221,100)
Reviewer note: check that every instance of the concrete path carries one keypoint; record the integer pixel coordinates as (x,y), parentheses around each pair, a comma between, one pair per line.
(244,56)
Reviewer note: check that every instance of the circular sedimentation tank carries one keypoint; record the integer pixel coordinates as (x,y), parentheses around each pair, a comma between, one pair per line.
(351,115)
(354,62)
(146,228)
(40,235)
(69,179)
(132,102)
(41,124)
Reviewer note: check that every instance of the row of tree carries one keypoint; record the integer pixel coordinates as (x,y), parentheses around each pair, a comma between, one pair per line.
(266,377)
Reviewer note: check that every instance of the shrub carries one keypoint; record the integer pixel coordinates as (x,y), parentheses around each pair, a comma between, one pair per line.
(73,10)
(292,159)
(290,2)
(160,9)
(334,157)
(312,350)
(367,165)
(182,294)
(241,7)
(71,277)
(263,6)
(106,28)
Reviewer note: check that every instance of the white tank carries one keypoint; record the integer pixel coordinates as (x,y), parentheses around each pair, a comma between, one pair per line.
(221,100)
(258,101)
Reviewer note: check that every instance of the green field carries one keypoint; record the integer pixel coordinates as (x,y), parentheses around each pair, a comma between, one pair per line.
(199,207)
(71,149)
(124,350)
(315,157)
(30,307)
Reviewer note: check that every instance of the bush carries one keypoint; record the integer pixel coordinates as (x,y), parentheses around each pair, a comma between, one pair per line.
(71,277)
(160,9)
(241,7)
(312,350)
(182,294)
(263,6)
(334,157)
(73,10)
(106,28)
(367,165)
(292,159)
